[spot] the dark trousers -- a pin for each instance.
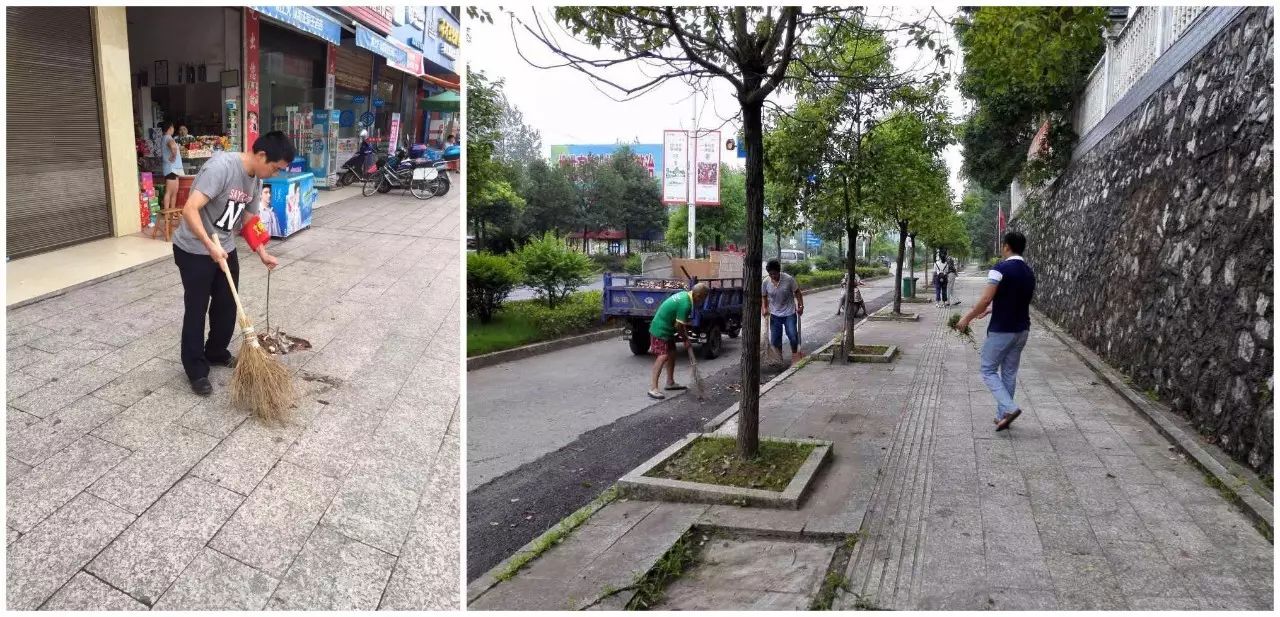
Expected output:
(205, 290)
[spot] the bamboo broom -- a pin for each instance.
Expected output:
(260, 382)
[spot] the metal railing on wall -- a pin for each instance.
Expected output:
(1129, 55)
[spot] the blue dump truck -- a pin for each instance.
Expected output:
(635, 300)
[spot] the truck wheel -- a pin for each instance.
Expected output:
(639, 340)
(711, 348)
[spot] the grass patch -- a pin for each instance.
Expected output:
(673, 563)
(835, 581)
(714, 460)
(524, 322)
(556, 534)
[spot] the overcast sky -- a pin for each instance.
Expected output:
(568, 107)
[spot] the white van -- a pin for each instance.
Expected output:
(790, 256)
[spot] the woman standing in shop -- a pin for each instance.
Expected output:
(171, 163)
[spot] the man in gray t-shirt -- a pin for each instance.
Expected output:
(783, 304)
(227, 187)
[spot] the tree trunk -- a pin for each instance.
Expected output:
(627, 232)
(846, 342)
(902, 250)
(749, 404)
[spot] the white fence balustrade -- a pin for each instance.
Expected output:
(1149, 32)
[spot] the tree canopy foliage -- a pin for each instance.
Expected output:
(1022, 65)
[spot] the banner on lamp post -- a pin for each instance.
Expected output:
(330, 75)
(706, 186)
(675, 167)
(394, 134)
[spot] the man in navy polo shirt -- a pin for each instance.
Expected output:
(1010, 287)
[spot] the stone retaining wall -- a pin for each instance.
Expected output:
(1155, 249)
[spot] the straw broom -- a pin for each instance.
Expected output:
(260, 382)
(700, 389)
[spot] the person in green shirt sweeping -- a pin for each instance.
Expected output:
(672, 317)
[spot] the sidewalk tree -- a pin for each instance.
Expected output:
(908, 180)
(751, 48)
(781, 214)
(844, 85)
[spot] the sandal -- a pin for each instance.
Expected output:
(676, 386)
(654, 394)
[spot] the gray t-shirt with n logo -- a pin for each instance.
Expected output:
(231, 193)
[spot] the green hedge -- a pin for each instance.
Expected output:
(524, 322)
(820, 278)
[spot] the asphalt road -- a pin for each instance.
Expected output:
(546, 435)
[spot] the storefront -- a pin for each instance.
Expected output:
(440, 54)
(184, 63)
(58, 189)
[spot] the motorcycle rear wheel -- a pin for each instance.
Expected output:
(441, 186)
(422, 189)
(347, 178)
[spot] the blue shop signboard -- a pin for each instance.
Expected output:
(305, 19)
(378, 44)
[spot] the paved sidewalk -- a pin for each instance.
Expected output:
(126, 491)
(1081, 505)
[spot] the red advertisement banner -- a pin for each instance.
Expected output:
(252, 54)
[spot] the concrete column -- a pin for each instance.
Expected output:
(111, 57)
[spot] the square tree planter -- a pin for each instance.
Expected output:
(887, 354)
(886, 314)
(636, 484)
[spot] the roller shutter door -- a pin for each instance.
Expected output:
(56, 178)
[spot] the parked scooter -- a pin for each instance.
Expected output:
(420, 177)
(360, 167)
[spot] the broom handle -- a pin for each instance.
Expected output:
(244, 319)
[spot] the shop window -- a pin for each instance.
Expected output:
(615, 247)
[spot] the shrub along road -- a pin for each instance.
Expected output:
(546, 435)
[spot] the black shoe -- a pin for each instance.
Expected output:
(202, 386)
(230, 362)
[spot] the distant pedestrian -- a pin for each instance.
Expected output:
(1008, 294)
(939, 281)
(846, 292)
(952, 272)
(171, 162)
(783, 303)
(672, 318)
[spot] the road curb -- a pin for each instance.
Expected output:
(537, 349)
(1168, 424)
(489, 580)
